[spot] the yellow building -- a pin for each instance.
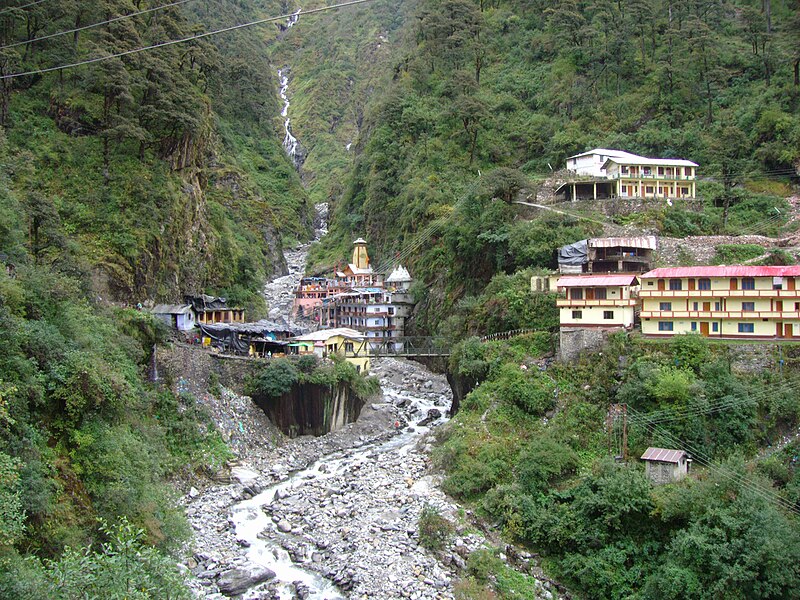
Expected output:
(642, 177)
(344, 342)
(359, 272)
(605, 301)
(726, 302)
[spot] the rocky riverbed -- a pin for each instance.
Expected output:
(279, 293)
(343, 506)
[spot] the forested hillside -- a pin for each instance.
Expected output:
(483, 98)
(162, 171)
(137, 178)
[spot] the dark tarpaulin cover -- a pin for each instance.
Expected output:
(203, 303)
(227, 336)
(574, 254)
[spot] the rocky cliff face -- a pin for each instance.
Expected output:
(312, 409)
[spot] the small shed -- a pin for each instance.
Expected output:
(666, 466)
(179, 316)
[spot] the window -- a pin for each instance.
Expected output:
(684, 191)
(777, 283)
(647, 170)
(715, 327)
(665, 306)
(665, 325)
(391, 310)
(748, 283)
(703, 284)
(648, 189)
(675, 284)
(747, 306)
(348, 346)
(687, 171)
(576, 293)
(660, 170)
(660, 190)
(600, 294)
(608, 314)
(624, 170)
(694, 325)
(577, 314)
(695, 306)
(717, 306)
(747, 327)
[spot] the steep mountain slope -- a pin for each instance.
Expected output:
(163, 168)
(484, 97)
(334, 62)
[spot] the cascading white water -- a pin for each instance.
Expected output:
(249, 519)
(290, 143)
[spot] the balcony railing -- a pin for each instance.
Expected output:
(650, 176)
(643, 293)
(720, 314)
(607, 302)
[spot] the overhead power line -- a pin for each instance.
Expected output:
(10, 8)
(758, 489)
(93, 25)
(180, 41)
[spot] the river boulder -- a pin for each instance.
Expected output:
(239, 580)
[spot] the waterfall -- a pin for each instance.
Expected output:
(290, 143)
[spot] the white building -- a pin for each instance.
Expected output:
(178, 316)
(604, 173)
(592, 163)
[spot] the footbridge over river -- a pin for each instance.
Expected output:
(422, 347)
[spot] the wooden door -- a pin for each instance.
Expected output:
(787, 330)
(790, 283)
(691, 283)
(704, 329)
(778, 330)
(706, 307)
(779, 305)
(590, 293)
(661, 285)
(734, 283)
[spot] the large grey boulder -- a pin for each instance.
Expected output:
(239, 580)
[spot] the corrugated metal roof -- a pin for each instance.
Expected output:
(595, 280)
(729, 271)
(647, 241)
(171, 309)
(659, 162)
(663, 455)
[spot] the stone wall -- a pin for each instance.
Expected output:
(575, 340)
(189, 368)
(628, 206)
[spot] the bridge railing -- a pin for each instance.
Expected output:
(405, 346)
(505, 335)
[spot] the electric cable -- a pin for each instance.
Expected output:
(190, 38)
(93, 25)
(10, 8)
(704, 460)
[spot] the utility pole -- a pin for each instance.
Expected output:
(617, 427)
